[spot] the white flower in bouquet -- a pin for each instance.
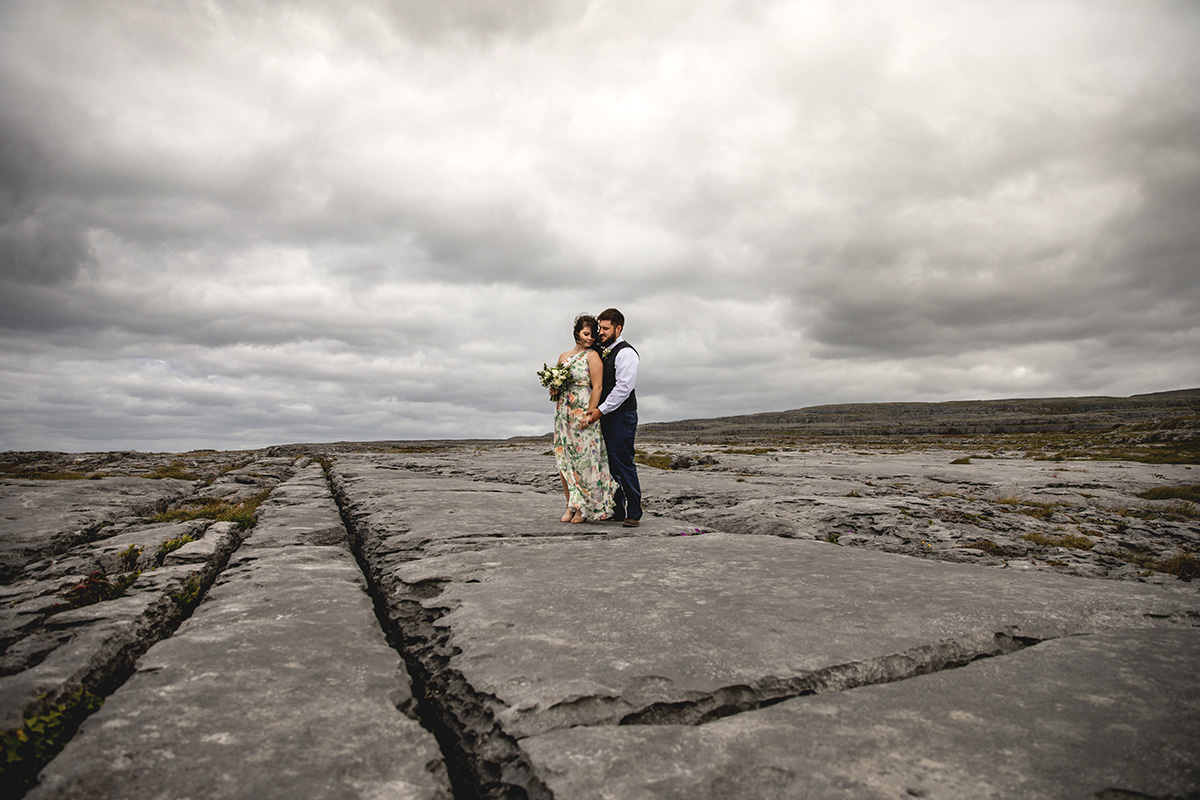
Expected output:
(554, 378)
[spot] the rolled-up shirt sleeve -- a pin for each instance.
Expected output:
(626, 368)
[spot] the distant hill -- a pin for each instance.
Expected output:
(1180, 408)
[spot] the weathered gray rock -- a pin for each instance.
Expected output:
(535, 639)
(281, 685)
(687, 628)
(1116, 712)
(915, 503)
(742, 651)
(39, 518)
(74, 623)
(93, 647)
(261, 475)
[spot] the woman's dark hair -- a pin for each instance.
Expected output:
(589, 320)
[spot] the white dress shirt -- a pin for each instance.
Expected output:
(626, 367)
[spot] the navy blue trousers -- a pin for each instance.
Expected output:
(619, 429)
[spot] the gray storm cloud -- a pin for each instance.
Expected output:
(230, 225)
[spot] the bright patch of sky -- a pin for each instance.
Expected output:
(239, 224)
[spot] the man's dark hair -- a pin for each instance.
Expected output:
(613, 316)
(586, 319)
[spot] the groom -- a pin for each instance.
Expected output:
(618, 414)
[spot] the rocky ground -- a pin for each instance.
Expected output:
(1120, 520)
(793, 619)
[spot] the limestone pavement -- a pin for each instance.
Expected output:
(421, 625)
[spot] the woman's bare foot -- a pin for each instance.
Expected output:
(570, 513)
(578, 516)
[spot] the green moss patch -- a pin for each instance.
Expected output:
(658, 459)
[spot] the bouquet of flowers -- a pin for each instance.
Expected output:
(554, 378)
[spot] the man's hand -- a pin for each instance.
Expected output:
(591, 417)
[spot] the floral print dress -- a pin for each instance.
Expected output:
(579, 451)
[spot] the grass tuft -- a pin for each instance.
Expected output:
(175, 470)
(658, 460)
(1071, 540)
(170, 546)
(1189, 493)
(989, 547)
(1184, 564)
(244, 513)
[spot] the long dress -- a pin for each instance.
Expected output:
(579, 451)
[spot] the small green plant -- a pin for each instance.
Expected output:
(129, 557)
(833, 537)
(42, 733)
(190, 594)
(170, 546)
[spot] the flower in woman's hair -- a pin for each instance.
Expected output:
(554, 378)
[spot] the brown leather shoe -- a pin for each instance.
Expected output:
(631, 523)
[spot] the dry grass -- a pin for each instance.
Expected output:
(1071, 540)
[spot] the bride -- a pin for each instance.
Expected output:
(578, 448)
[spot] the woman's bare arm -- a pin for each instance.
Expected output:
(596, 368)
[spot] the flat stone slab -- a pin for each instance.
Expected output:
(40, 517)
(281, 685)
(586, 632)
(1113, 715)
(637, 663)
(995, 509)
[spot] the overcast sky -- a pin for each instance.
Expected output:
(236, 224)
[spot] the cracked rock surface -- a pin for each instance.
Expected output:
(594, 660)
(280, 685)
(825, 623)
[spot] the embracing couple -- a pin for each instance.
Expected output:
(595, 462)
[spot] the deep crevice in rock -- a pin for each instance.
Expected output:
(482, 760)
(113, 666)
(924, 660)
